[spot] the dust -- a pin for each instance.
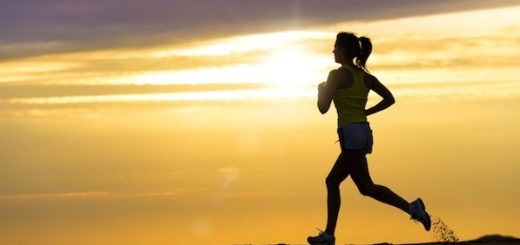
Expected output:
(442, 232)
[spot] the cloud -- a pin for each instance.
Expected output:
(49, 196)
(472, 50)
(35, 27)
(245, 194)
(222, 96)
(480, 51)
(92, 194)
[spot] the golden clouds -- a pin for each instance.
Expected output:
(415, 50)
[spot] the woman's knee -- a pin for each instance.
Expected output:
(332, 183)
(366, 190)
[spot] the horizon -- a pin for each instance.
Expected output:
(130, 128)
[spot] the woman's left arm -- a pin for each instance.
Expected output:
(326, 92)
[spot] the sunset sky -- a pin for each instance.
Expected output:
(195, 122)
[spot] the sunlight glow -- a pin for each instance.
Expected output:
(286, 63)
(284, 67)
(246, 94)
(242, 44)
(292, 68)
(25, 70)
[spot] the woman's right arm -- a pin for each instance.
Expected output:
(381, 90)
(326, 91)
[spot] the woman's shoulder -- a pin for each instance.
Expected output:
(341, 72)
(369, 76)
(370, 79)
(340, 77)
(346, 73)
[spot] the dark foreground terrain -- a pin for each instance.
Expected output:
(485, 240)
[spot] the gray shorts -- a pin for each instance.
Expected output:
(356, 136)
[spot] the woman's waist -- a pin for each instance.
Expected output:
(345, 121)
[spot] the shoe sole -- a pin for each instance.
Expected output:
(320, 243)
(328, 243)
(427, 215)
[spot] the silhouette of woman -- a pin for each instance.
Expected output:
(348, 87)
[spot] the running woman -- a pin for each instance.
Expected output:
(348, 87)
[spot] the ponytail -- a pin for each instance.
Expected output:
(366, 49)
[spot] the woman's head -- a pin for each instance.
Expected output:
(348, 46)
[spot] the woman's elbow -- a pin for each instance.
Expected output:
(322, 108)
(391, 101)
(323, 111)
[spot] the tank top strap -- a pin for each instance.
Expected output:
(357, 77)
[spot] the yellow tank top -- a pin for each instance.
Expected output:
(350, 102)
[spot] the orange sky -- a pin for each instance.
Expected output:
(219, 141)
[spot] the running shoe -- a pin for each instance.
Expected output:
(420, 214)
(323, 238)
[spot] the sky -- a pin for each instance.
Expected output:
(52, 26)
(194, 122)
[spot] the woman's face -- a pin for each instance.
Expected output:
(339, 54)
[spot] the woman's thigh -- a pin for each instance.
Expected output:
(358, 167)
(339, 171)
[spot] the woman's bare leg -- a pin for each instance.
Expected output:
(338, 174)
(361, 177)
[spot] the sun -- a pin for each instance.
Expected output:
(291, 67)
(282, 60)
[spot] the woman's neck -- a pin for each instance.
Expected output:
(348, 63)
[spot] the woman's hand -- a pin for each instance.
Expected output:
(325, 96)
(381, 90)
(322, 86)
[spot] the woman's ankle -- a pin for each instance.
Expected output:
(329, 233)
